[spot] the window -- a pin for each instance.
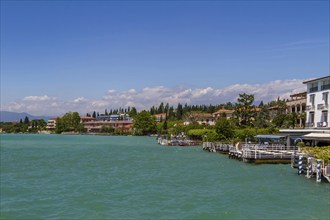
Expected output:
(325, 84)
(325, 116)
(311, 120)
(325, 97)
(312, 99)
(311, 117)
(314, 87)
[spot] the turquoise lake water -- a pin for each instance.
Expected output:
(104, 177)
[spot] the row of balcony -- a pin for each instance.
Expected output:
(323, 87)
(319, 107)
(321, 124)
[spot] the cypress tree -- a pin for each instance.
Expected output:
(26, 120)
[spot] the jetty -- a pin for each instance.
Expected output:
(269, 149)
(311, 166)
(177, 142)
(217, 147)
(261, 153)
(253, 153)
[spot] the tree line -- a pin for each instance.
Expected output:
(247, 118)
(24, 125)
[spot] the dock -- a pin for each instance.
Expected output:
(273, 154)
(177, 142)
(217, 147)
(253, 153)
(310, 166)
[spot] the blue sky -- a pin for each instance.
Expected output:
(58, 52)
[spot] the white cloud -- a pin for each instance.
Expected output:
(149, 96)
(38, 98)
(80, 100)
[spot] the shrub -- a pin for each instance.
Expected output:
(203, 134)
(322, 153)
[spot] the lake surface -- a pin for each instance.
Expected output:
(104, 177)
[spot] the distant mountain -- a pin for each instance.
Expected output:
(6, 116)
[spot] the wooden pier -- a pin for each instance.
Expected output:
(253, 153)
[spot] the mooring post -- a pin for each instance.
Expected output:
(318, 170)
(309, 167)
(300, 165)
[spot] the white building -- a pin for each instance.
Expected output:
(51, 124)
(317, 106)
(200, 118)
(297, 104)
(317, 129)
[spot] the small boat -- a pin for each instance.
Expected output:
(176, 142)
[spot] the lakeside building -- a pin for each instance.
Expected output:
(317, 129)
(51, 124)
(318, 102)
(297, 104)
(160, 117)
(113, 117)
(118, 122)
(98, 126)
(87, 119)
(200, 118)
(274, 111)
(223, 112)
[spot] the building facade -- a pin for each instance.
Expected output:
(200, 118)
(317, 106)
(120, 122)
(297, 104)
(223, 112)
(160, 117)
(51, 124)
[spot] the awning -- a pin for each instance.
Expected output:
(269, 136)
(317, 136)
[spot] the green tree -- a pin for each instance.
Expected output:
(26, 120)
(203, 134)
(161, 108)
(244, 110)
(302, 116)
(107, 129)
(144, 123)
(132, 112)
(291, 119)
(262, 118)
(37, 125)
(224, 129)
(69, 122)
(279, 120)
(179, 112)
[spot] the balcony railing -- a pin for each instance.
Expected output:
(322, 124)
(310, 107)
(313, 89)
(322, 106)
(324, 87)
(309, 124)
